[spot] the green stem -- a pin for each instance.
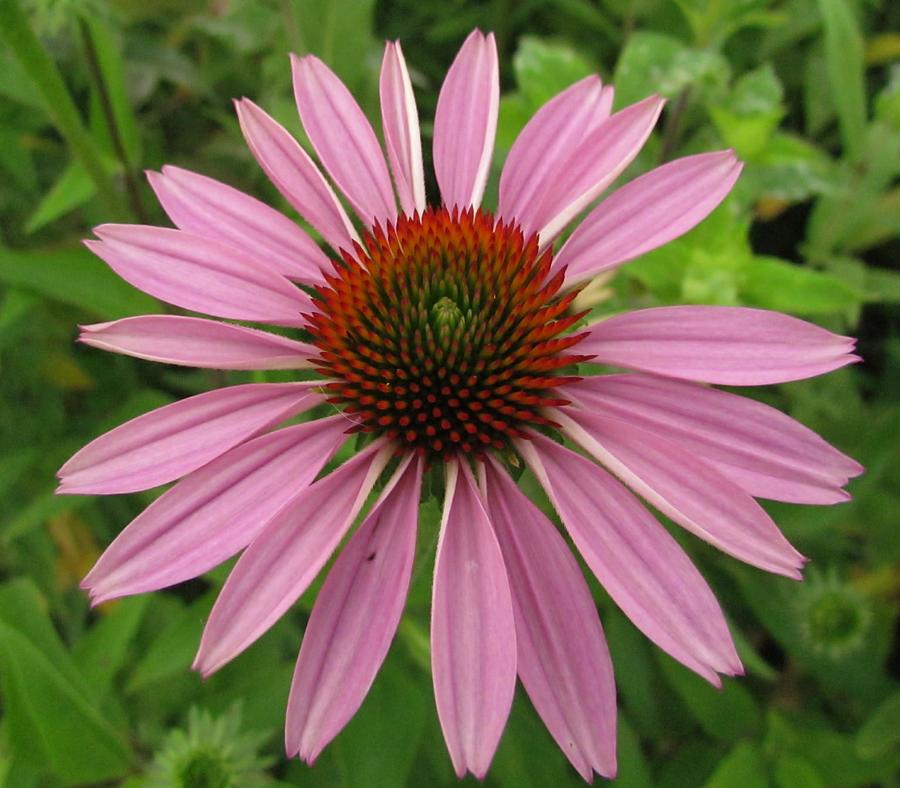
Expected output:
(19, 37)
(131, 183)
(672, 131)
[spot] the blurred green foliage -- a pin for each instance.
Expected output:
(91, 93)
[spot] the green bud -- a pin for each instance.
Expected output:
(833, 616)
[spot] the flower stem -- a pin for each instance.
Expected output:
(672, 132)
(24, 44)
(131, 183)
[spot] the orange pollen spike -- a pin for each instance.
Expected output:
(457, 309)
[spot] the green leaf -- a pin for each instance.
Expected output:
(725, 714)
(881, 732)
(339, 32)
(657, 63)
(72, 188)
(747, 134)
(112, 68)
(792, 771)
(515, 111)
(543, 69)
(102, 651)
(742, 766)
(17, 159)
(76, 277)
(882, 285)
(638, 686)
(634, 771)
(750, 113)
(771, 283)
(36, 512)
(789, 168)
(172, 651)
(379, 744)
(844, 56)
(53, 719)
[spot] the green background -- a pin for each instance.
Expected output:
(94, 92)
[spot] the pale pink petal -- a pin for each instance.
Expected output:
(284, 558)
(765, 452)
(465, 122)
(292, 171)
(590, 168)
(554, 131)
(473, 634)
(176, 439)
(195, 342)
(734, 346)
(638, 563)
(199, 274)
(355, 617)
(647, 212)
(216, 511)
(343, 140)
(563, 659)
(400, 120)
(686, 489)
(207, 207)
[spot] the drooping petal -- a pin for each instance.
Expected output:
(216, 511)
(195, 342)
(400, 121)
(284, 558)
(465, 122)
(563, 659)
(473, 635)
(176, 439)
(590, 168)
(343, 140)
(207, 207)
(647, 212)
(199, 274)
(686, 489)
(734, 346)
(639, 564)
(295, 176)
(547, 140)
(765, 452)
(355, 617)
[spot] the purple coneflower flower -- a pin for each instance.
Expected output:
(446, 333)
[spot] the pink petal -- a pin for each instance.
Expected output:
(195, 342)
(734, 346)
(590, 168)
(343, 140)
(209, 208)
(400, 121)
(686, 489)
(546, 142)
(355, 618)
(216, 511)
(639, 564)
(284, 558)
(563, 660)
(176, 439)
(199, 274)
(648, 212)
(473, 634)
(295, 176)
(762, 450)
(465, 122)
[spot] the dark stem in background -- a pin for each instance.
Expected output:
(672, 131)
(131, 183)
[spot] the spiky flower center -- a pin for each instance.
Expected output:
(443, 332)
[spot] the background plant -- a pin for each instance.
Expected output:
(94, 91)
